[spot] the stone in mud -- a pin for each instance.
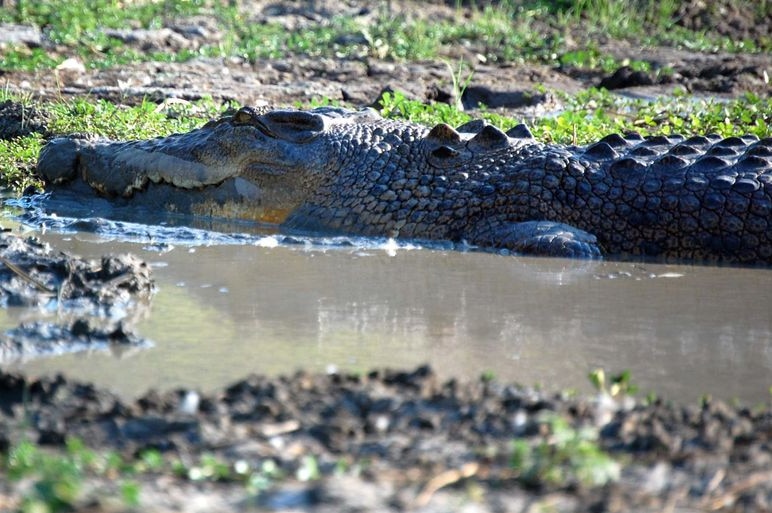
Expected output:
(17, 34)
(626, 77)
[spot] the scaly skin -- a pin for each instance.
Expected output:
(333, 171)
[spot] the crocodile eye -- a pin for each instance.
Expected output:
(245, 116)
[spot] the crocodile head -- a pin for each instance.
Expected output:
(252, 164)
(266, 165)
(280, 156)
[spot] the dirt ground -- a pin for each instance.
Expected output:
(402, 441)
(395, 441)
(513, 89)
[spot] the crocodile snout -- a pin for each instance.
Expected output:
(58, 160)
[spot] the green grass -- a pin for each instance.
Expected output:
(143, 121)
(58, 477)
(592, 114)
(565, 456)
(99, 117)
(507, 32)
(17, 161)
(77, 22)
(591, 58)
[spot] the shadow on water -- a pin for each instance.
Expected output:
(231, 305)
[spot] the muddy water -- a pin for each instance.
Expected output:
(225, 310)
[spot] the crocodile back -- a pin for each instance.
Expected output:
(700, 198)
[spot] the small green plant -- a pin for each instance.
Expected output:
(256, 478)
(210, 468)
(459, 81)
(565, 456)
(487, 376)
(58, 478)
(130, 491)
(591, 58)
(650, 399)
(260, 479)
(396, 105)
(619, 385)
(308, 469)
(150, 460)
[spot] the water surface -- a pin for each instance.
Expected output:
(229, 307)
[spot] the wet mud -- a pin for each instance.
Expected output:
(82, 304)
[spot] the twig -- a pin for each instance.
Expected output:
(444, 479)
(22, 274)
(731, 495)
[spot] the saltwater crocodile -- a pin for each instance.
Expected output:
(336, 171)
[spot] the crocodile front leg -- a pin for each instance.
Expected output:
(541, 238)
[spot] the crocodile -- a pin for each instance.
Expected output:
(330, 170)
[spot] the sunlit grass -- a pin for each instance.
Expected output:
(592, 114)
(533, 30)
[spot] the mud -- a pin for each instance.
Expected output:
(403, 441)
(17, 120)
(83, 304)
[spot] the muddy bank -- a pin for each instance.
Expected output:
(73, 304)
(404, 441)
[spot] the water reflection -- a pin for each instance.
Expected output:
(223, 311)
